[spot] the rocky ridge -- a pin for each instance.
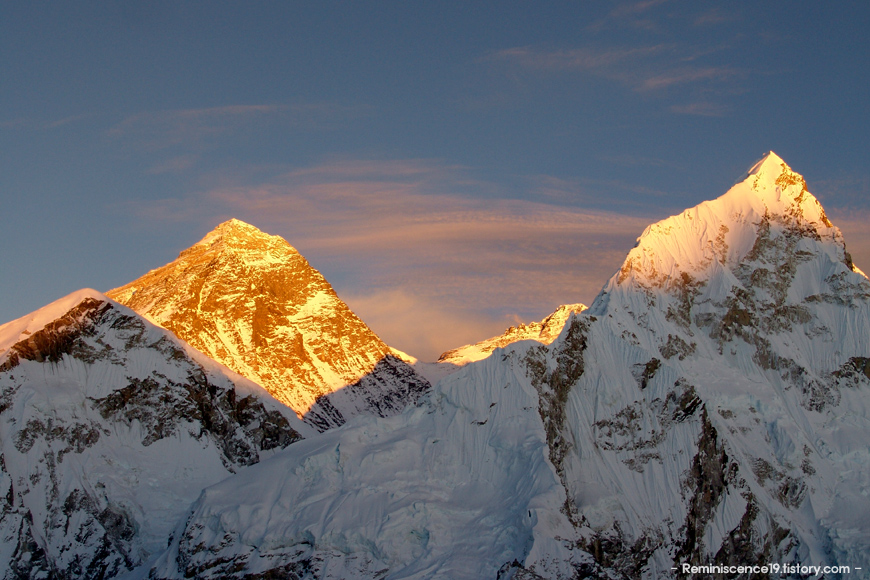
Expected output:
(252, 302)
(109, 428)
(545, 332)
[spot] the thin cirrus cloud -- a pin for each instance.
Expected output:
(845, 199)
(630, 15)
(662, 64)
(41, 125)
(687, 76)
(702, 109)
(155, 130)
(641, 15)
(416, 250)
(607, 62)
(650, 69)
(173, 165)
(853, 225)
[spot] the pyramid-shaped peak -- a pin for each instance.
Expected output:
(238, 235)
(771, 162)
(237, 225)
(234, 228)
(721, 233)
(780, 190)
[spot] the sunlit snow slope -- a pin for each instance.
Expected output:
(109, 428)
(252, 302)
(710, 407)
(544, 332)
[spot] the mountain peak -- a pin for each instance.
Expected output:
(781, 190)
(252, 302)
(722, 232)
(768, 161)
(236, 227)
(237, 235)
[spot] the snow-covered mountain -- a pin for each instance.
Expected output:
(545, 331)
(252, 302)
(710, 408)
(109, 428)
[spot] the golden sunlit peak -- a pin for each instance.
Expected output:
(237, 225)
(236, 231)
(770, 160)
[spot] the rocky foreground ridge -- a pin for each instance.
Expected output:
(109, 428)
(253, 303)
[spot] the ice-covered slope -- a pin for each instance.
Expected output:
(544, 332)
(252, 302)
(456, 488)
(728, 360)
(711, 407)
(109, 428)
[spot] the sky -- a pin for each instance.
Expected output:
(452, 168)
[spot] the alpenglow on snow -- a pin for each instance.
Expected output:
(252, 302)
(711, 407)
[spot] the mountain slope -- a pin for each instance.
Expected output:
(743, 326)
(544, 332)
(252, 302)
(711, 407)
(109, 428)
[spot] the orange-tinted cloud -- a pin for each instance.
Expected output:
(394, 234)
(156, 130)
(853, 225)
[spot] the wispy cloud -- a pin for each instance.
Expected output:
(687, 75)
(663, 64)
(626, 160)
(703, 109)
(645, 69)
(846, 198)
(41, 125)
(412, 232)
(630, 15)
(173, 165)
(583, 59)
(713, 17)
(13, 123)
(853, 224)
(421, 326)
(156, 130)
(163, 129)
(588, 191)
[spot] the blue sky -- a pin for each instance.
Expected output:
(451, 167)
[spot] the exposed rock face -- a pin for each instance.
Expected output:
(252, 302)
(109, 428)
(544, 332)
(726, 361)
(710, 408)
